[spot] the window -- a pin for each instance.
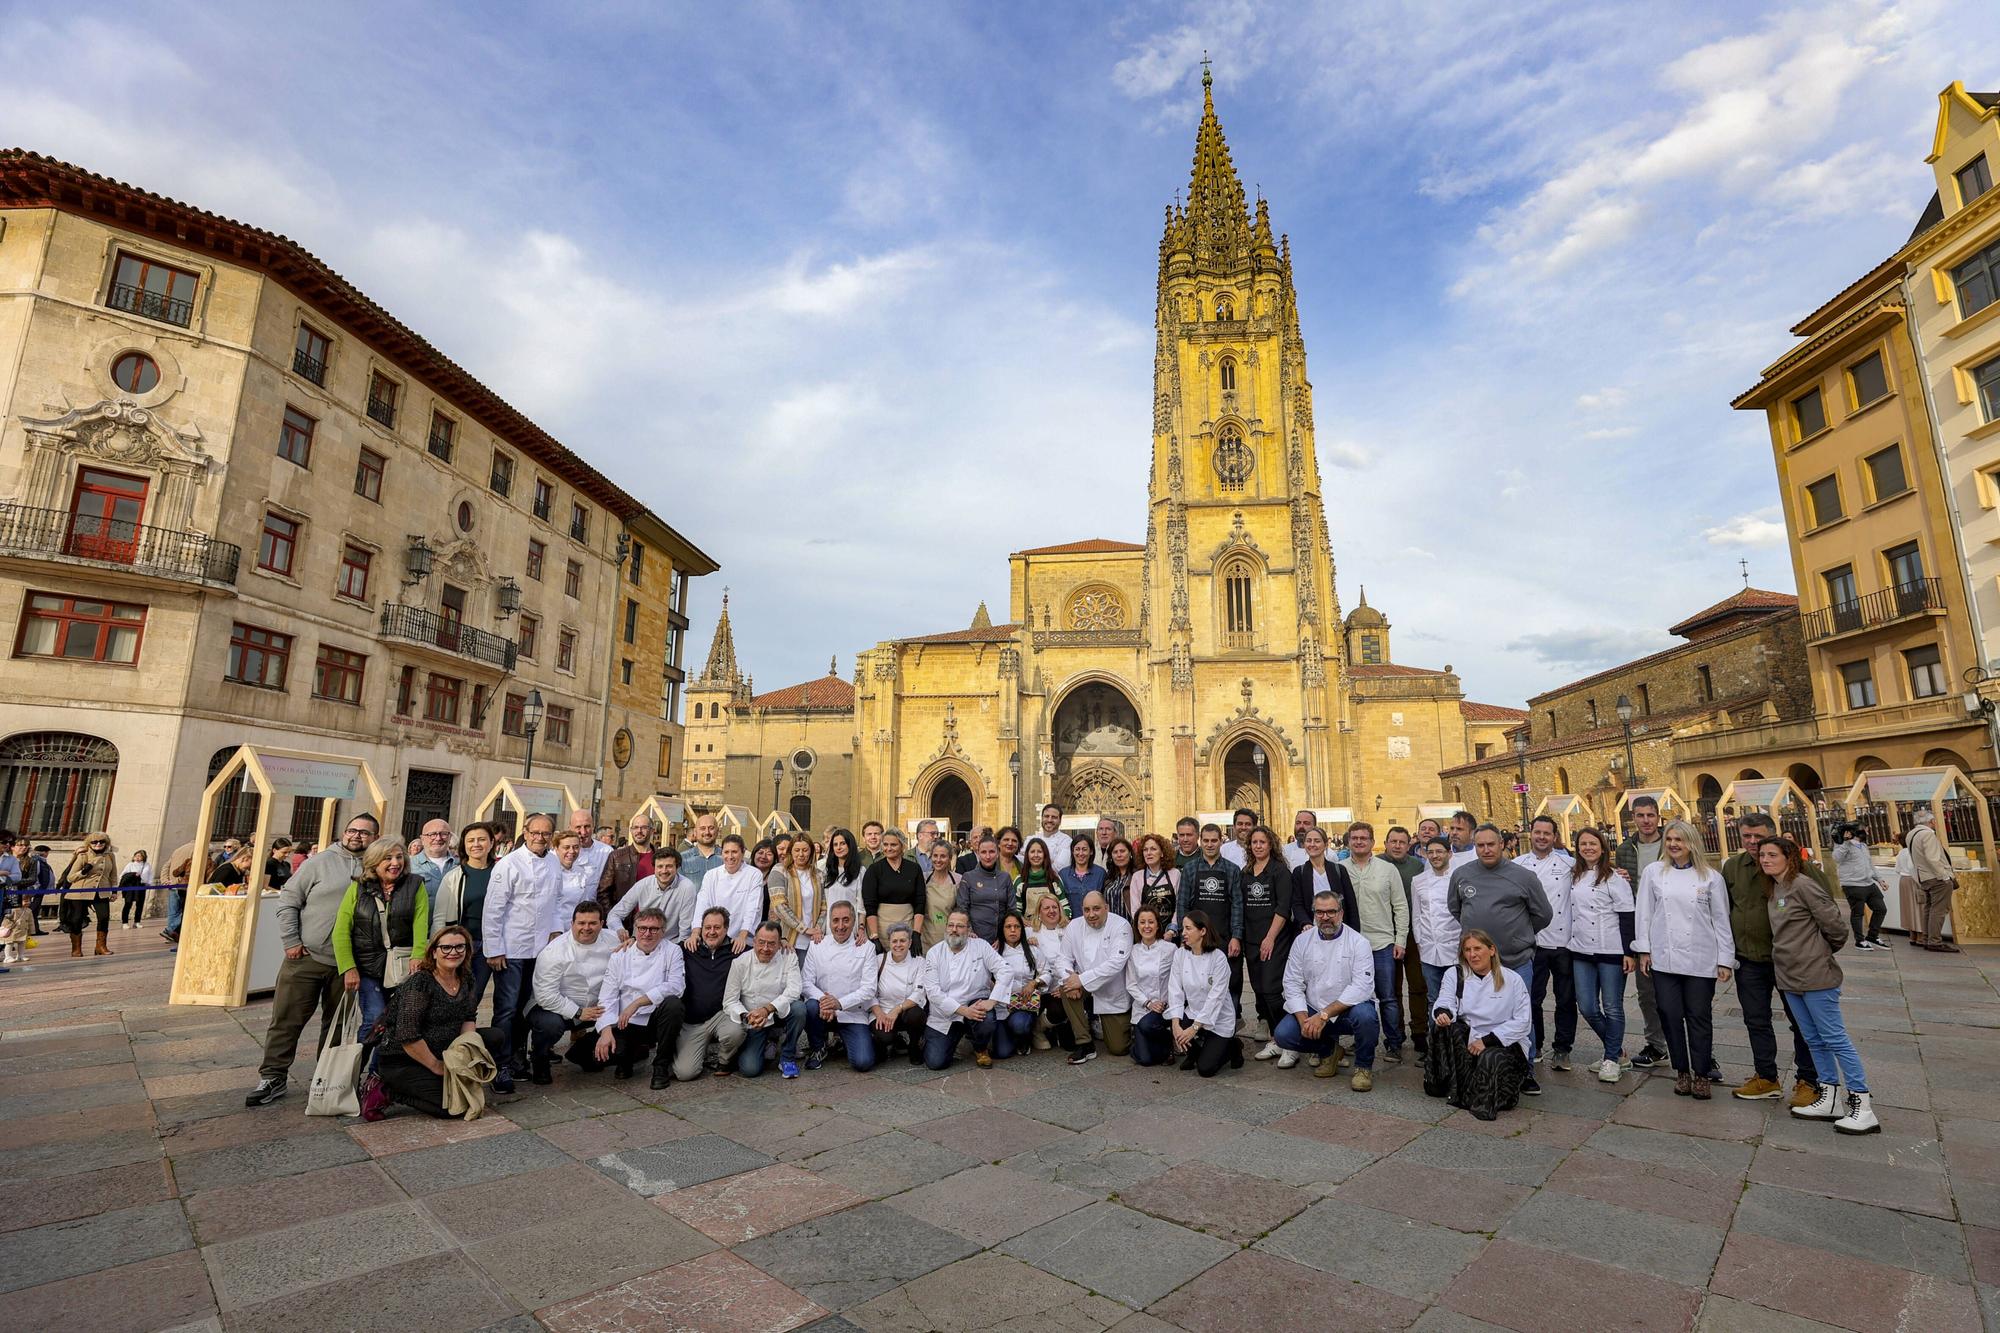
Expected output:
(56, 784)
(1590, 705)
(1860, 683)
(1225, 306)
(545, 499)
(382, 398)
(631, 621)
(1868, 379)
(579, 522)
(1926, 672)
(309, 354)
(1978, 281)
(80, 630)
(444, 432)
(1823, 497)
(1371, 649)
(1228, 373)
(501, 480)
(258, 656)
(355, 562)
(1986, 382)
(1808, 414)
(337, 675)
(1233, 460)
(135, 372)
(514, 715)
(1885, 473)
(555, 724)
(464, 516)
(295, 437)
(636, 570)
(697, 712)
(566, 650)
(406, 691)
(1841, 593)
(1645, 702)
(1974, 179)
(153, 290)
(625, 668)
(666, 755)
(573, 579)
(278, 544)
(537, 553)
(1705, 683)
(531, 632)
(1552, 723)
(1238, 621)
(481, 701)
(441, 699)
(1906, 565)
(1480, 748)
(368, 471)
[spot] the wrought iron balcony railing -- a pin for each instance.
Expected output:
(1885, 607)
(311, 367)
(150, 305)
(383, 410)
(54, 534)
(413, 624)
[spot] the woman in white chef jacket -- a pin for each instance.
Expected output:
(1051, 915)
(1201, 1012)
(1024, 978)
(1146, 973)
(901, 1004)
(1683, 940)
(1483, 1020)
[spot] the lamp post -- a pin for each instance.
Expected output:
(777, 778)
(1521, 783)
(1263, 793)
(1014, 772)
(1624, 710)
(531, 722)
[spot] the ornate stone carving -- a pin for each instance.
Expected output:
(1239, 539)
(1087, 638)
(126, 435)
(885, 667)
(1315, 661)
(1247, 713)
(1095, 606)
(1010, 661)
(1183, 665)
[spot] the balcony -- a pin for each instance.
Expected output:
(1877, 609)
(382, 410)
(161, 553)
(310, 367)
(413, 624)
(150, 305)
(1702, 747)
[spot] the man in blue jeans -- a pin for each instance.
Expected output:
(838, 984)
(1330, 993)
(763, 998)
(1383, 918)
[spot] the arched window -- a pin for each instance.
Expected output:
(1233, 460)
(697, 712)
(1228, 373)
(56, 784)
(1225, 306)
(1238, 603)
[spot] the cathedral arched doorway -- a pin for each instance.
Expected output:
(1096, 742)
(802, 810)
(1246, 782)
(951, 804)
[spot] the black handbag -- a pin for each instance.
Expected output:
(1445, 1044)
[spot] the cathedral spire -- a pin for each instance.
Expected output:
(981, 619)
(1217, 216)
(721, 668)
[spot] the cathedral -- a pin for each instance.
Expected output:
(1207, 669)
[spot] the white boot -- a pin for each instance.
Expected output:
(1826, 1106)
(1270, 1052)
(1860, 1117)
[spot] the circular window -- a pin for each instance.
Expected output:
(802, 761)
(465, 516)
(135, 372)
(1232, 460)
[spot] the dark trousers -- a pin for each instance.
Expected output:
(1418, 1005)
(910, 1024)
(1057, 1017)
(75, 914)
(513, 996)
(1687, 1013)
(1267, 982)
(939, 1047)
(546, 1027)
(1152, 1039)
(133, 908)
(1211, 1052)
(1013, 1034)
(1554, 965)
(659, 1034)
(303, 984)
(1236, 985)
(1870, 897)
(1756, 984)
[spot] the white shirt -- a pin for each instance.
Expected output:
(741, 895)
(1295, 855)
(844, 891)
(1015, 973)
(1553, 871)
(896, 982)
(1058, 845)
(143, 869)
(753, 984)
(569, 976)
(520, 904)
(1146, 972)
(592, 855)
(844, 971)
(677, 902)
(573, 886)
(1051, 952)
(1683, 921)
(1437, 929)
(1198, 991)
(1460, 858)
(1098, 958)
(1593, 914)
(634, 974)
(1232, 852)
(954, 978)
(1505, 1013)
(1320, 972)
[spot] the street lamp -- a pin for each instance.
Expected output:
(1624, 710)
(1263, 795)
(531, 722)
(777, 777)
(1014, 772)
(1521, 784)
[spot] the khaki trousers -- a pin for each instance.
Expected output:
(692, 1048)
(1934, 898)
(1117, 1027)
(303, 985)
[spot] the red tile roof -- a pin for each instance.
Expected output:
(1750, 600)
(1491, 712)
(830, 693)
(1366, 670)
(1092, 546)
(977, 634)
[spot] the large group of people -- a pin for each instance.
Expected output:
(722, 957)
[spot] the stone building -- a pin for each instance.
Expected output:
(245, 503)
(1205, 668)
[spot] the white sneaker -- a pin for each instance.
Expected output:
(1860, 1117)
(1286, 1059)
(1608, 1072)
(1312, 1061)
(1270, 1052)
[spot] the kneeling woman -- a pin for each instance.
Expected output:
(1806, 928)
(1200, 1011)
(1018, 992)
(1147, 973)
(899, 996)
(432, 1009)
(1484, 1012)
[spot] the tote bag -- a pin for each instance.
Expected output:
(338, 1071)
(396, 966)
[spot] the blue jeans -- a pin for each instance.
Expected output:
(750, 1055)
(1014, 1034)
(1359, 1022)
(1386, 1003)
(1152, 1039)
(1554, 965)
(1433, 979)
(1600, 998)
(176, 908)
(1817, 1013)
(513, 996)
(939, 1046)
(855, 1037)
(373, 1000)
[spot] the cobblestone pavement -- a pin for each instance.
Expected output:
(140, 1194)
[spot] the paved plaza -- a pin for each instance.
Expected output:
(140, 1194)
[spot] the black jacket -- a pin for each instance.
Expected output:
(1302, 894)
(707, 978)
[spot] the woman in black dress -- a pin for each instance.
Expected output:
(429, 1011)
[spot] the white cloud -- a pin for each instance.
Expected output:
(1349, 455)
(1589, 648)
(1761, 527)
(1608, 399)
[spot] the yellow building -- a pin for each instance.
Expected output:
(1207, 668)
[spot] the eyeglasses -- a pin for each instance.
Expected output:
(1334, 912)
(652, 930)
(451, 948)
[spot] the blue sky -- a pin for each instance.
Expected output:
(860, 296)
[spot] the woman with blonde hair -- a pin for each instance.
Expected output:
(940, 897)
(87, 885)
(1682, 939)
(798, 897)
(1479, 1051)
(383, 919)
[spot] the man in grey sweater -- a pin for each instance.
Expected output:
(308, 979)
(1505, 900)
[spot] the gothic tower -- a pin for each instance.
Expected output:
(1245, 636)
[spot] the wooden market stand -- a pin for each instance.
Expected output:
(670, 817)
(517, 798)
(1770, 796)
(1671, 805)
(1570, 811)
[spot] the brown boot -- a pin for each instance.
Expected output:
(76, 944)
(102, 947)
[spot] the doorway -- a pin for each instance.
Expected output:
(1245, 782)
(951, 804)
(426, 796)
(104, 516)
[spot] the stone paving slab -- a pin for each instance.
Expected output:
(1668, 1247)
(717, 1293)
(1411, 1258)
(850, 1257)
(678, 1163)
(1227, 1204)
(959, 1298)
(742, 1207)
(1119, 1253)
(38, 1255)
(988, 1204)
(252, 1207)
(1251, 1289)
(273, 1264)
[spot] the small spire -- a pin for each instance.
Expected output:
(980, 619)
(833, 665)
(721, 668)
(1207, 76)
(1745, 565)
(1364, 596)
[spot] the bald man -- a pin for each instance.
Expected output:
(434, 858)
